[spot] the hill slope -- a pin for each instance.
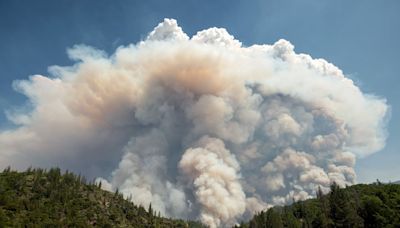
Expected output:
(373, 205)
(39, 198)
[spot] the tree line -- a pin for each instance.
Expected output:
(50, 198)
(362, 205)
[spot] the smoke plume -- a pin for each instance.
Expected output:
(202, 127)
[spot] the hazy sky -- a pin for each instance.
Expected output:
(360, 37)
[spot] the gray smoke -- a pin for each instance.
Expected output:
(199, 127)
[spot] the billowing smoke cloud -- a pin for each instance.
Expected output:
(213, 172)
(200, 127)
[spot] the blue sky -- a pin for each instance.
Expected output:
(360, 37)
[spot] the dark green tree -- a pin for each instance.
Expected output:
(273, 219)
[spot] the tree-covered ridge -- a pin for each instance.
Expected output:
(40, 198)
(362, 205)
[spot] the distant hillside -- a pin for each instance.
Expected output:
(39, 198)
(374, 205)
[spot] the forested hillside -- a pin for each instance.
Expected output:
(40, 198)
(374, 205)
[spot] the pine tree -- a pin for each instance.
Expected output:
(343, 212)
(322, 219)
(274, 219)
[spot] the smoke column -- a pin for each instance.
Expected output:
(202, 127)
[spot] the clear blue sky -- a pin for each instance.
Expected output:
(360, 37)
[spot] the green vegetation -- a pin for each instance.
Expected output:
(40, 198)
(374, 205)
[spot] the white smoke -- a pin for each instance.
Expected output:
(212, 170)
(199, 127)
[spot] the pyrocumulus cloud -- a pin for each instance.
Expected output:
(202, 127)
